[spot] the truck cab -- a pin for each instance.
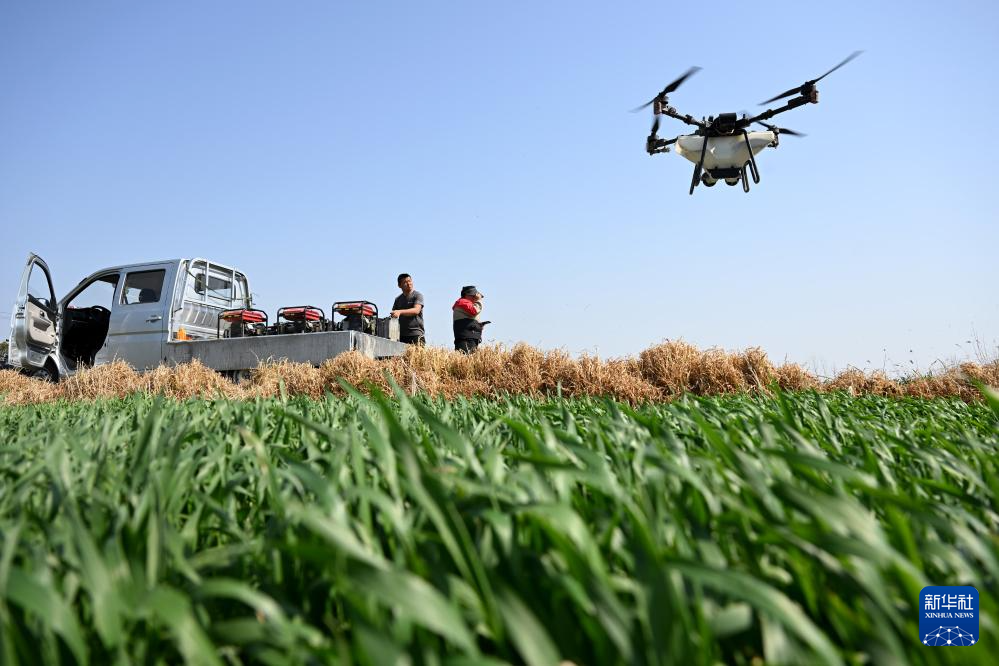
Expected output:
(124, 312)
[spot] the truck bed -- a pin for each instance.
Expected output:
(230, 354)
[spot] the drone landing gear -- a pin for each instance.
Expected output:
(751, 163)
(700, 165)
(731, 175)
(753, 171)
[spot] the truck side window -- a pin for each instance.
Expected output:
(39, 288)
(209, 284)
(239, 295)
(100, 292)
(195, 287)
(219, 287)
(142, 287)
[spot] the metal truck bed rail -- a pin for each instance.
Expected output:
(231, 354)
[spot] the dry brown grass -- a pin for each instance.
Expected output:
(956, 381)
(662, 372)
(114, 380)
(792, 377)
(856, 382)
(987, 374)
(716, 373)
(18, 389)
(296, 379)
(757, 370)
(191, 380)
(670, 366)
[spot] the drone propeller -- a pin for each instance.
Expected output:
(808, 84)
(780, 130)
(670, 88)
(655, 126)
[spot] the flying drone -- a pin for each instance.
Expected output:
(722, 147)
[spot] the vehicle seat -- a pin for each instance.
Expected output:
(147, 296)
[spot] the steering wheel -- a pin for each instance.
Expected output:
(100, 309)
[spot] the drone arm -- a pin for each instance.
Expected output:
(668, 110)
(770, 113)
(655, 145)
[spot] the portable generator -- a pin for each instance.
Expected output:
(298, 319)
(357, 316)
(242, 323)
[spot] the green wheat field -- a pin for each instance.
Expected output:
(792, 529)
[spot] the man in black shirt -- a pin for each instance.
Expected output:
(408, 307)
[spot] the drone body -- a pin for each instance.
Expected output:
(726, 156)
(722, 148)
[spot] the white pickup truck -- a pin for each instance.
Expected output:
(160, 312)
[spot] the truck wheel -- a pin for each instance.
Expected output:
(240, 376)
(46, 373)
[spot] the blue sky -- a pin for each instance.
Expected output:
(325, 147)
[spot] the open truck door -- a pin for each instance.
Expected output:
(34, 334)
